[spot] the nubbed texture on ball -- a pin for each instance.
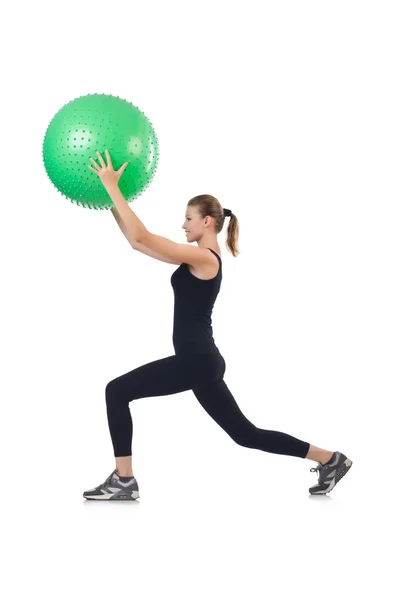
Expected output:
(92, 123)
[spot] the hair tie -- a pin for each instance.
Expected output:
(227, 212)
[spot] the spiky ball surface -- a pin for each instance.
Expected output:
(92, 123)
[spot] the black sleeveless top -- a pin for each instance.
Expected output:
(194, 301)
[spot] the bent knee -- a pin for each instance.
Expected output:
(245, 437)
(110, 387)
(113, 391)
(117, 392)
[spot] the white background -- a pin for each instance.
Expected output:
(286, 112)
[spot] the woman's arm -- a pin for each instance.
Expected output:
(136, 246)
(164, 249)
(136, 229)
(121, 225)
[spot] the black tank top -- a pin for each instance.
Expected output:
(194, 301)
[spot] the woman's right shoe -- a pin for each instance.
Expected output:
(330, 473)
(114, 489)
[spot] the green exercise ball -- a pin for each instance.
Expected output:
(99, 122)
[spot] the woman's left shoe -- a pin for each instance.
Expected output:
(114, 489)
(330, 473)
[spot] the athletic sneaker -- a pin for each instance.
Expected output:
(114, 489)
(330, 473)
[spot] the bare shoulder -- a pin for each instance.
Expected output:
(208, 270)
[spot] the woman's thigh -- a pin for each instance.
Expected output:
(218, 401)
(170, 375)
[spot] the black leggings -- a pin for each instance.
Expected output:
(203, 374)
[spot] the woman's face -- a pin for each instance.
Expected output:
(193, 225)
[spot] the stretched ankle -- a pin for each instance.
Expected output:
(124, 474)
(327, 458)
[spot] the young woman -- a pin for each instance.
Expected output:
(197, 364)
